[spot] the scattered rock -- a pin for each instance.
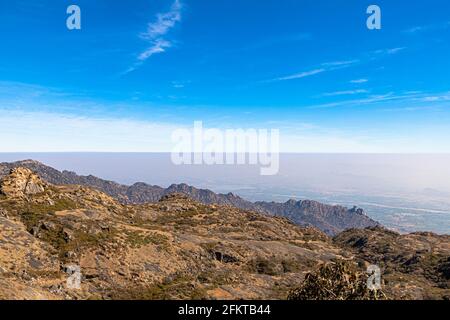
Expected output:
(3, 213)
(224, 257)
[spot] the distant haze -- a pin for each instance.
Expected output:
(362, 172)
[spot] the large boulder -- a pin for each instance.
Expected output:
(21, 182)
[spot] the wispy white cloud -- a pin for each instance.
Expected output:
(158, 46)
(156, 32)
(180, 84)
(363, 101)
(412, 109)
(164, 22)
(395, 50)
(437, 98)
(359, 81)
(343, 93)
(415, 29)
(390, 50)
(300, 75)
(340, 63)
(430, 27)
(413, 99)
(324, 67)
(413, 92)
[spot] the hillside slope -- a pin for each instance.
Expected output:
(178, 248)
(414, 266)
(175, 249)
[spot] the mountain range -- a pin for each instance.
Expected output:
(330, 219)
(75, 242)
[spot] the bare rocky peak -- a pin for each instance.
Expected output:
(328, 218)
(21, 182)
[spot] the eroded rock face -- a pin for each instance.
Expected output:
(21, 182)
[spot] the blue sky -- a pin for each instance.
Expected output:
(137, 70)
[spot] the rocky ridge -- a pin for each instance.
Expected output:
(330, 219)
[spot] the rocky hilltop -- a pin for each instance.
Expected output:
(420, 258)
(179, 248)
(330, 219)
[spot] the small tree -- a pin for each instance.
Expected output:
(339, 280)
